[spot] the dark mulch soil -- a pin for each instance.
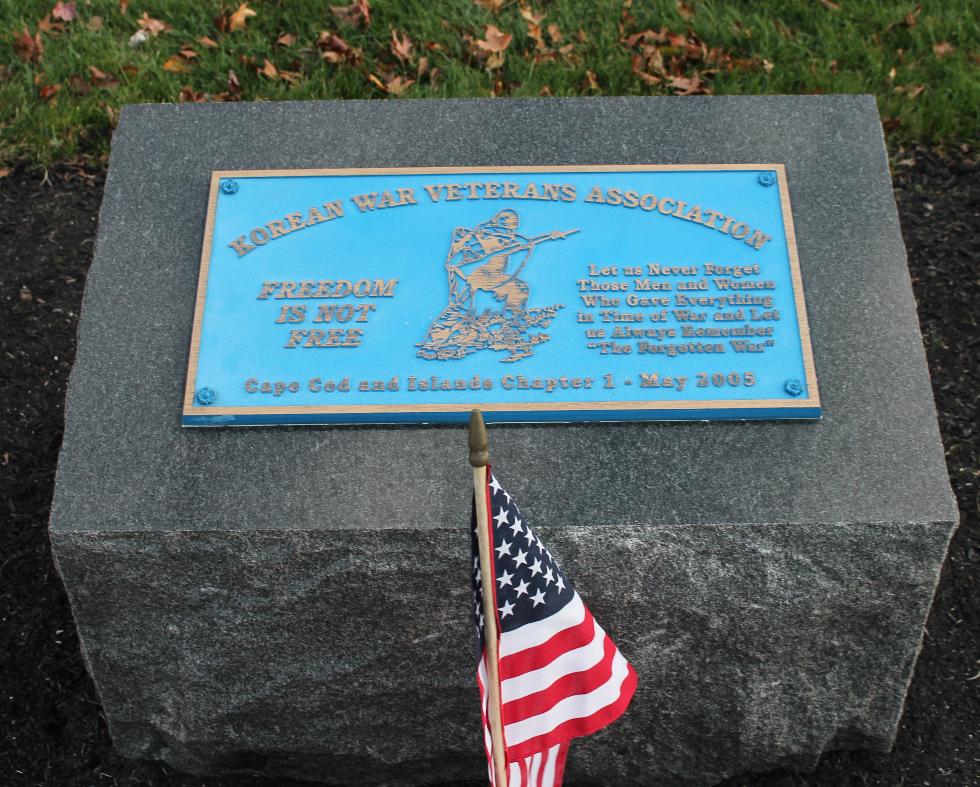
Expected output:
(51, 727)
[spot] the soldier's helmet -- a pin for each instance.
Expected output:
(507, 219)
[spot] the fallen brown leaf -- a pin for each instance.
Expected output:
(377, 82)
(591, 83)
(268, 69)
(398, 84)
(4, 171)
(188, 54)
(335, 50)
(152, 26)
(493, 6)
(830, 6)
(79, 85)
(495, 40)
(290, 76)
(401, 47)
(528, 14)
(123, 6)
(942, 49)
(499, 88)
(637, 68)
(207, 41)
(49, 91)
(66, 12)
(29, 48)
(646, 38)
(286, 39)
(233, 87)
(555, 34)
(175, 65)
(238, 19)
(102, 79)
(688, 86)
(423, 66)
(188, 96)
(915, 91)
(94, 23)
(494, 60)
(685, 10)
(356, 14)
(533, 22)
(46, 25)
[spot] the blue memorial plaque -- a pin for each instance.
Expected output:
(597, 293)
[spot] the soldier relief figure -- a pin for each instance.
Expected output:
(483, 266)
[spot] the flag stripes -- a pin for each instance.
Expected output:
(543, 769)
(560, 675)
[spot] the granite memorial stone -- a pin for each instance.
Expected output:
(295, 601)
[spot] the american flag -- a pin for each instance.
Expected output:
(561, 676)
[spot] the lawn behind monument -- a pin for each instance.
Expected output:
(67, 67)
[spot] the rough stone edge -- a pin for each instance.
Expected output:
(804, 763)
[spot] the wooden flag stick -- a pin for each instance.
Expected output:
(480, 458)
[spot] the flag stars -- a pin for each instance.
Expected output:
(521, 565)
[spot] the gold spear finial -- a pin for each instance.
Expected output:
(479, 451)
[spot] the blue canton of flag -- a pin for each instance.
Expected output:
(560, 674)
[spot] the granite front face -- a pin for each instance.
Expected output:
(295, 600)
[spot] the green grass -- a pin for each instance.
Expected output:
(51, 111)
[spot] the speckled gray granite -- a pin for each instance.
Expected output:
(294, 601)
